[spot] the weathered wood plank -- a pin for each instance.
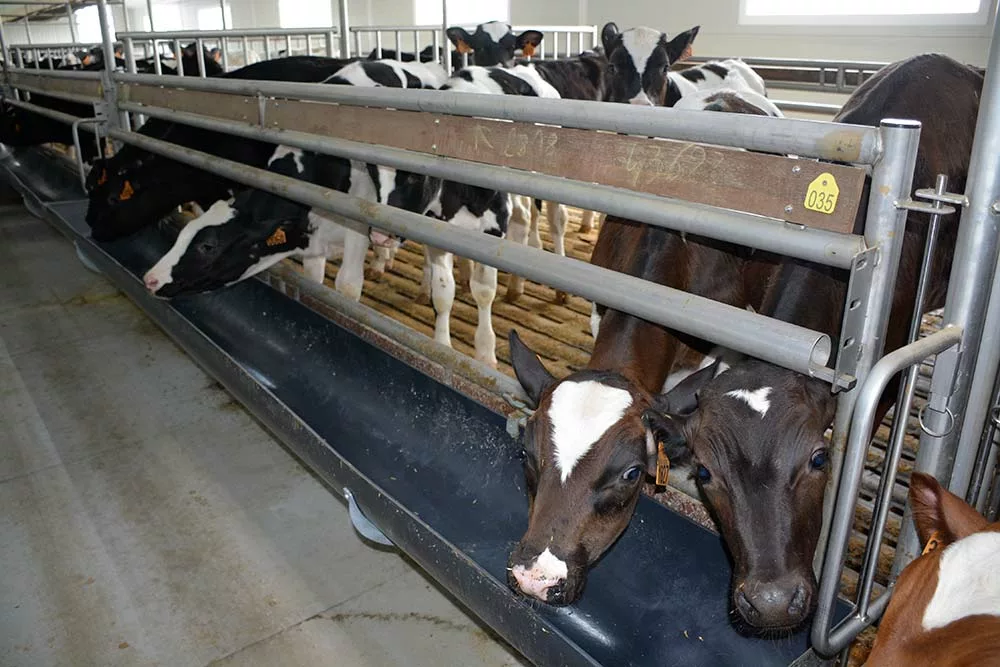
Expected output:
(767, 185)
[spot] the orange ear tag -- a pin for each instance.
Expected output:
(528, 50)
(462, 47)
(127, 191)
(932, 544)
(277, 238)
(104, 177)
(662, 466)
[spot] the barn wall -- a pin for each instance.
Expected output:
(722, 35)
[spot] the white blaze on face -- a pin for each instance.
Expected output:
(756, 399)
(545, 572)
(968, 581)
(580, 414)
(218, 214)
(282, 151)
(496, 30)
(640, 44)
(595, 320)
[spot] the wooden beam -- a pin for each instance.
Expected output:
(768, 185)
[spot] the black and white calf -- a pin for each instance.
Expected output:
(314, 235)
(639, 61)
(517, 80)
(494, 43)
(730, 74)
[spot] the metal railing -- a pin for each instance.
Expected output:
(559, 41)
(889, 150)
(237, 47)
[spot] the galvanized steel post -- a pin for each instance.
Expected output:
(72, 21)
(345, 27)
(885, 224)
(116, 118)
(955, 413)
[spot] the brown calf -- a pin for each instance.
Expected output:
(945, 607)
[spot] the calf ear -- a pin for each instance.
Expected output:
(666, 430)
(461, 39)
(530, 371)
(683, 398)
(528, 41)
(608, 34)
(680, 47)
(937, 510)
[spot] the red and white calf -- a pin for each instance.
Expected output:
(945, 607)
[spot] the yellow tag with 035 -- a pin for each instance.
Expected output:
(821, 196)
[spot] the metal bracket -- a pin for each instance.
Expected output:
(852, 328)
(362, 524)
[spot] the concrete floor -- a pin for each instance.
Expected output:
(147, 519)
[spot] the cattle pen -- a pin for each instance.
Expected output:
(419, 438)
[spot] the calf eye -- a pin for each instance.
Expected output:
(818, 460)
(704, 476)
(632, 474)
(612, 70)
(522, 455)
(206, 247)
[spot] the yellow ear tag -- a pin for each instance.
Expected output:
(932, 544)
(277, 238)
(662, 466)
(462, 47)
(528, 50)
(127, 191)
(821, 196)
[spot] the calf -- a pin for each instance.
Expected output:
(494, 43)
(127, 191)
(639, 63)
(716, 75)
(589, 445)
(945, 607)
(757, 438)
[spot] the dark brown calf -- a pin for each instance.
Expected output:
(945, 607)
(756, 438)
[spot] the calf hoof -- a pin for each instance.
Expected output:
(374, 274)
(515, 288)
(586, 228)
(422, 299)
(560, 298)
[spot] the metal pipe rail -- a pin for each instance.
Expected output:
(375, 37)
(778, 342)
(826, 640)
(796, 69)
(167, 35)
(806, 138)
(816, 245)
(69, 119)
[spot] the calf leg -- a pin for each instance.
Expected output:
(442, 292)
(314, 268)
(464, 274)
(381, 262)
(351, 277)
(557, 216)
(484, 291)
(590, 220)
(535, 234)
(424, 295)
(517, 232)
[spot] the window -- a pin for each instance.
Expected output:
(210, 18)
(864, 12)
(300, 14)
(428, 12)
(88, 24)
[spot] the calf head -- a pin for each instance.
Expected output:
(231, 242)
(587, 449)
(493, 43)
(638, 62)
(951, 589)
(760, 459)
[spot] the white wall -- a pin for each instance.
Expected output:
(721, 34)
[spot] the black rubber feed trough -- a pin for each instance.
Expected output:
(435, 471)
